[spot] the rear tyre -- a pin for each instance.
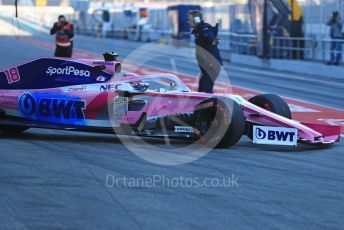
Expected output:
(220, 124)
(272, 103)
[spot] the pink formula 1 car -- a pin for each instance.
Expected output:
(93, 95)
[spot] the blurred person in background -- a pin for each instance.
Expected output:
(105, 22)
(207, 53)
(336, 25)
(106, 27)
(64, 33)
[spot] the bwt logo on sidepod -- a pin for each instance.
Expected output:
(68, 70)
(274, 135)
(57, 108)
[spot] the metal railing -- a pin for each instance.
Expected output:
(238, 43)
(309, 49)
(325, 51)
(292, 48)
(135, 34)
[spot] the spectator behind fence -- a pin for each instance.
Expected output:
(105, 22)
(64, 33)
(336, 25)
(207, 53)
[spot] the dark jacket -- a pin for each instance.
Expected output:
(63, 36)
(205, 34)
(336, 26)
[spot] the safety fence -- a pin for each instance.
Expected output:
(315, 46)
(293, 48)
(310, 48)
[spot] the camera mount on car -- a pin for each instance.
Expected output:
(110, 56)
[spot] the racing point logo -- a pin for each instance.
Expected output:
(159, 114)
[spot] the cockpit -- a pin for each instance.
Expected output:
(161, 83)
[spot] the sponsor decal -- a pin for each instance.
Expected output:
(54, 108)
(101, 79)
(27, 104)
(77, 88)
(12, 75)
(110, 87)
(183, 129)
(8, 101)
(120, 107)
(102, 63)
(113, 87)
(68, 70)
(5, 97)
(274, 135)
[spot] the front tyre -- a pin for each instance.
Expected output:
(220, 123)
(272, 103)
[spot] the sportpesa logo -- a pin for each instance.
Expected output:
(68, 70)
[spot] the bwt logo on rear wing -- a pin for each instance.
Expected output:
(274, 135)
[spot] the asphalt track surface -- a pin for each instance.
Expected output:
(53, 179)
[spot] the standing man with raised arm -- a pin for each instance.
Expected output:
(207, 53)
